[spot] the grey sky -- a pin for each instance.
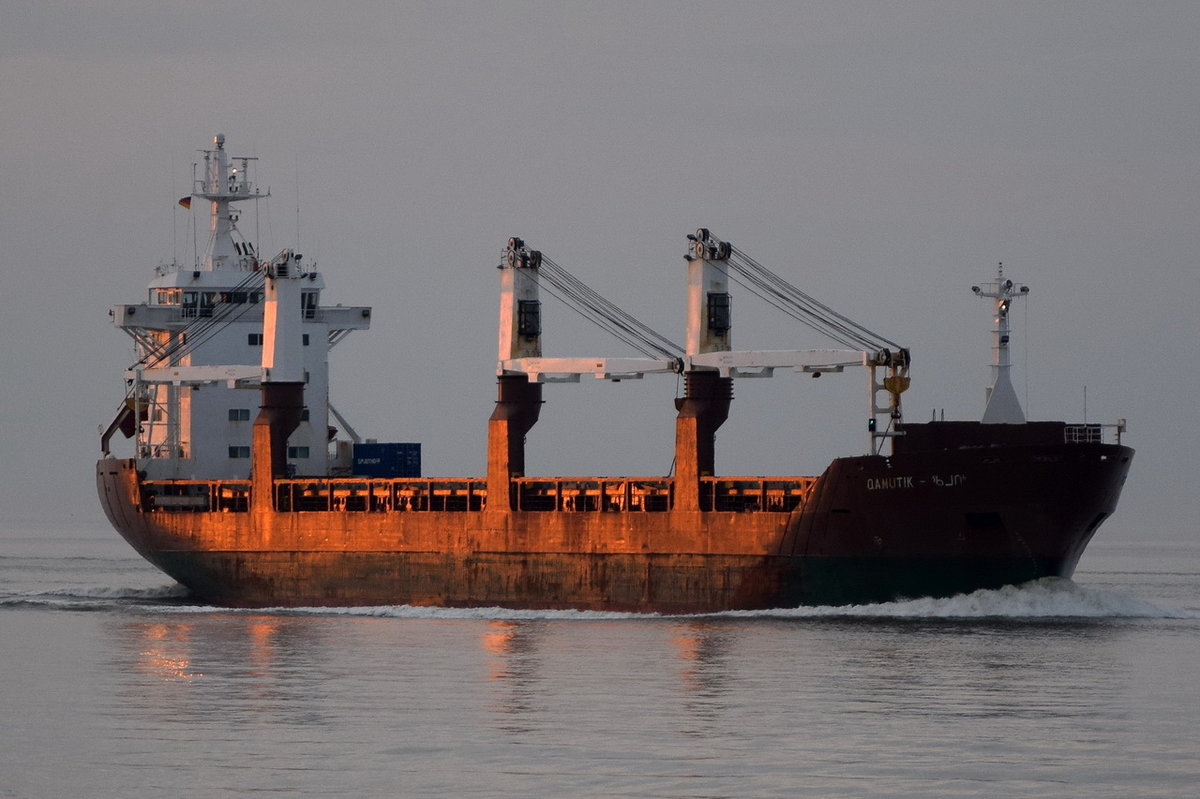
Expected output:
(882, 156)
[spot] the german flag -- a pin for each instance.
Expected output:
(186, 202)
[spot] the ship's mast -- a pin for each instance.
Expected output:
(708, 303)
(223, 185)
(1002, 406)
(519, 400)
(707, 392)
(520, 307)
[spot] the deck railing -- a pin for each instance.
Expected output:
(196, 496)
(533, 494)
(379, 496)
(584, 494)
(745, 494)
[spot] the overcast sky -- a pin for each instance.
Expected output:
(881, 156)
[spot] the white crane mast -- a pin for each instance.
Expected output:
(520, 339)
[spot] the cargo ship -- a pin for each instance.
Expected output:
(241, 489)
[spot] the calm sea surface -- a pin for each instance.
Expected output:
(112, 684)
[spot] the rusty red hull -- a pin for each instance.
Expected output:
(935, 520)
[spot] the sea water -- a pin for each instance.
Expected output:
(113, 684)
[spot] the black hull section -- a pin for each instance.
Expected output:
(1042, 502)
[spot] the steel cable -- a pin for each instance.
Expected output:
(603, 313)
(800, 306)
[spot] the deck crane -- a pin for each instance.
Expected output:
(522, 273)
(708, 353)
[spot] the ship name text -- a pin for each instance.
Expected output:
(883, 483)
(906, 481)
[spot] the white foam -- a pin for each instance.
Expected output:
(95, 598)
(169, 591)
(1049, 598)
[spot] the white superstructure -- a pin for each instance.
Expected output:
(202, 348)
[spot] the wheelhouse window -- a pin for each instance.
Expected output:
(308, 301)
(239, 414)
(239, 452)
(199, 303)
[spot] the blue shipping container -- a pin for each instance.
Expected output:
(387, 460)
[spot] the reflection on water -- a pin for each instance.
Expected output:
(165, 655)
(513, 672)
(214, 702)
(705, 681)
(530, 675)
(230, 665)
(992, 669)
